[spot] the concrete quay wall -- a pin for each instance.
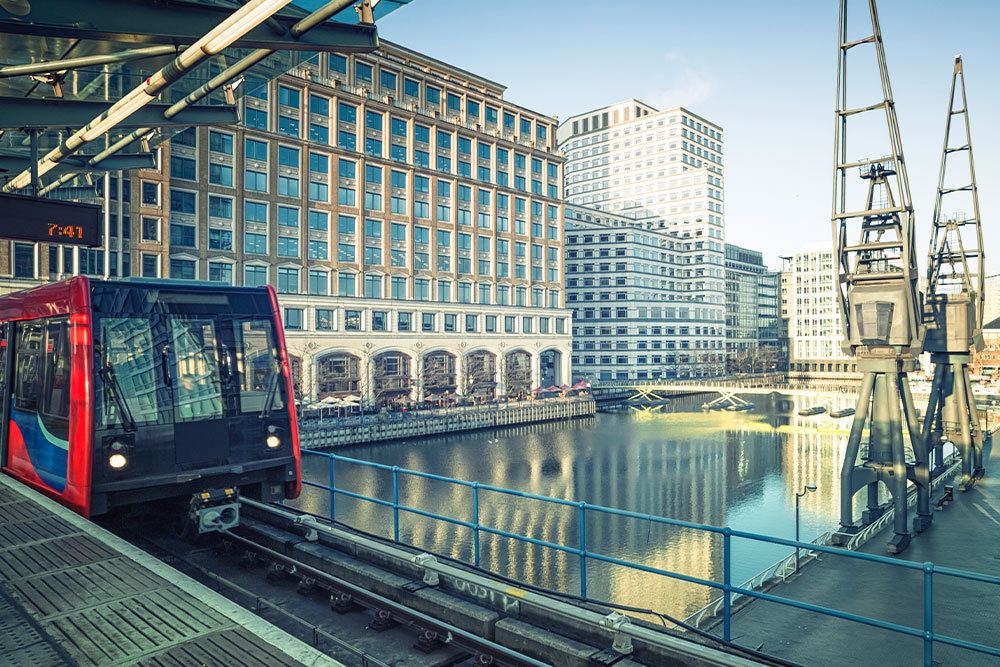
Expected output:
(318, 433)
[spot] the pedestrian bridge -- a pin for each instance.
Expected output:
(658, 389)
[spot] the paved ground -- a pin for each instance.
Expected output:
(965, 535)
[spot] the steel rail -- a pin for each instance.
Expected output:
(597, 621)
(465, 638)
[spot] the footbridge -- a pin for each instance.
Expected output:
(652, 390)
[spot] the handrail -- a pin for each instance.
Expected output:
(759, 581)
(730, 592)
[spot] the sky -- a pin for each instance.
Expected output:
(765, 71)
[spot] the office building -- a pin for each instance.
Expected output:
(751, 312)
(630, 285)
(991, 298)
(815, 330)
(632, 160)
(409, 217)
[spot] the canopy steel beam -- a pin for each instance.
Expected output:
(179, 23)
(11, 162)
(218, 38)
(49, 66)
(32, 113)
(301, 27)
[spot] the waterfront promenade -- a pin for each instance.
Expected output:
(319, 432)
(963, 536)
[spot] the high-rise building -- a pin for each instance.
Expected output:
(409, 217)
(629, 284)
(751, 312)
(991, 298)
(665, 170)
(649, 165)
(815, 330)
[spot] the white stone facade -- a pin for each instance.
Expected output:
(327, 328)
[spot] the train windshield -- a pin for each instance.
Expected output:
(179, 362)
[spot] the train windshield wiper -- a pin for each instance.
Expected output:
(111, 383)
(272, 390)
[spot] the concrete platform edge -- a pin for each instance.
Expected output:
(295, 648)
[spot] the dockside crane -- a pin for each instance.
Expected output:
(880, 307)
(953, 308)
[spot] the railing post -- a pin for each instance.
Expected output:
(475, 511)
(395, 502)
(583, 549)
(333, 493)
(928, 614)
(726, 583)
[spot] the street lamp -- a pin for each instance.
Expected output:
(809, 488)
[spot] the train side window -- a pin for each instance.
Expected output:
(28, 362)
(257, 367)
(53, 404)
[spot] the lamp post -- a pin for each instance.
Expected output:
(809, 488)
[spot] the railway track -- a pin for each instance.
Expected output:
(365, 602)
(350, 624)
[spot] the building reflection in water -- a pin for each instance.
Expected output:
(739, 469)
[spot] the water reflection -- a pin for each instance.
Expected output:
(739, 469)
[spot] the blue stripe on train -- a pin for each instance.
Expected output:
(49, 455)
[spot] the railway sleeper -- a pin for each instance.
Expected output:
(307, 586)
(343, 603)
(382, 621)
(429, 641)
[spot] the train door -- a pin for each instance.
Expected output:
(38, 438)
(5, 359)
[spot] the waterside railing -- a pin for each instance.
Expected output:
(730, 592)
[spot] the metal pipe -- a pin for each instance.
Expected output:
(86, 61)
(231, 72)
(235, 26)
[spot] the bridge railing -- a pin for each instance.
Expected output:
(931, 574)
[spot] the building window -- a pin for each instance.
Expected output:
(151, 230)
(346, 284)
(288, 280)
(182, 269)
(24, 260)
(293, 318)
(220, 272)
(182, 235)
(150, 193)
(318, 283)
(150, 265)
(324, 318)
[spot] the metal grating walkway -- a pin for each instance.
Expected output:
(68, 597)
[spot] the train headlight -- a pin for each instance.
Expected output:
(272, 440)
(118, 458)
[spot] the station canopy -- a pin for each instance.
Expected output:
(64, 62)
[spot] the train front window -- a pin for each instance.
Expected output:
(196, 377)
(258, 371)
(128, 370)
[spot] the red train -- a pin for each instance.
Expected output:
(126, 392)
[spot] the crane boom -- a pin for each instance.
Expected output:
(953, 309)
(879, 304)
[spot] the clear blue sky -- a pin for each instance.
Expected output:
(765, 71)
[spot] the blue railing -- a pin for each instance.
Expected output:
(728, 589)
